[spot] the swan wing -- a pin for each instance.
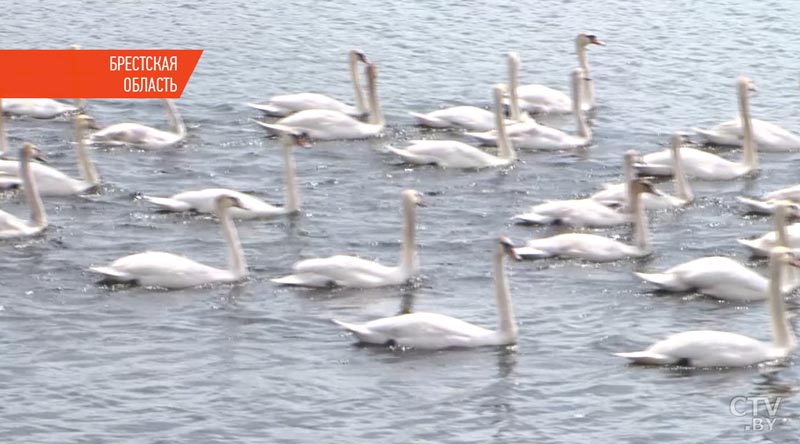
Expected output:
(419, 330)
(580, 245)
(446, 153)
(470, 118)
(348, 271)
(290, 103)
(159, 269)
(37, 108)
(705, 348)
(543, 99)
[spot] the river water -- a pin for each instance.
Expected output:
(255, 363)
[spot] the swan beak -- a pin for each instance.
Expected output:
(508, 247)
(422, 203)
(302, 140)
(40, 157)
(595, 41)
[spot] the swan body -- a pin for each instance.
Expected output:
(769, 136)
(574, 212)
(14, 227)
(37, 108)
(325, 124)
(204, 201)
(351, 271)
(709, 348)
(543, 99)
(455, 154)
(768, 202)
(432, 331)
(172, 271)
(704, 165)
(470, 118)
(592, 247)
(143, 136)
(286, 104)
(762, 245)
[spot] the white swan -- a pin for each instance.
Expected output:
(204, 201)
(433, 331)
(455, 154)
(12, 226)
(52, 182)
(38, 108)
(283, 105)
(593, 247)
(710, 348)
(352, 271)
(723, 277)
(785, 236)
(543, 99)
(766, 204)
(167, 270)
(143, 136)
(616, 194)
(532, 135)
(324, 124)
(704, 165)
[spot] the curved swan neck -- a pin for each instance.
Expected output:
(630, 176)
(176, 121)
(682, 187)
(782, 335)
(355, 78)
(290, 180)
(507, 325)
(236, 260)
(641, 233)
(577, 102)
(87, 168)
(409, 261)
(749, 148)
(504, 147)
(779, 222)
(376, 113)
(32, 190)
(513, 85)
(3, 139)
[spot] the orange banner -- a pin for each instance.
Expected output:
(95, 73)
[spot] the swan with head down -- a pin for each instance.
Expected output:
(286, 104)
(433, 331)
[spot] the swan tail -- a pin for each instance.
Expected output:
(275, 128)
(357, 329)
(647, 358)
(756, 249)
(112, 274)
(426, 120)
(664, 281)
(168, 204)
(756, 206)
(305, 280)
(531, 253)
(268, 109)
(483, 138)
(532, 218)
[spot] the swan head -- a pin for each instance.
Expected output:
(414, 198)
(640, 186)
(508, 248)
(359, 56)
(785, 256)
(677, 140)
(30, 151)
(298, 138)
(588, 39)
(86, 121)
(226, 201)
(746, 84)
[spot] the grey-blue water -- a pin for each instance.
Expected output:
(256, 363)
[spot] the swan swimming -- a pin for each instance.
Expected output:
(325, 124)
(12, 226)
(433, 331)
(204, 201)
(352, 271)
(455, 154)
(284, 105)
(143, 136)
(710, 348)
(172, 271)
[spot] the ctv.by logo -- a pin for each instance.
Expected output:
(749, 406)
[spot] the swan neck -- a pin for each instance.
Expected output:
(504, 147)
(3, 139)
(376, 113)
(505, 312)
(749, 148)
(641, 233)
(577, 102)
(409, 261)
(355, 78)
(32, 192)
(513, 85)
(87, 168)
(682, 187)
(290, 179)
(236, 260)
(779, 220)
(175, 119)
(782, 335)
(588, 87)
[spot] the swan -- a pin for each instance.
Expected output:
(433, 331)
(325, 124)
(532, 135)
(766, 204)
(38, 108)
(593, 247)
(704, 165)
(204, 201)
(283, 105)
(455, 154)
(52, 182)
(543, 99)
(167, 270)
(143, 136)
(710, 348)
(12, 226)
(616, 194)
(352, 271)
(786, 236)
(723, 277)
